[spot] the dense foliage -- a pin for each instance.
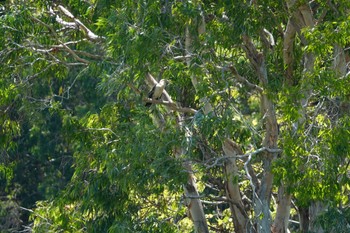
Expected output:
(252, 133)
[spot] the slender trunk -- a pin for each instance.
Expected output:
(304, 219)
(262, 201)
(262, 197)
(339, 61)
(315, 209)
(194, 204)
(280, 224)
(240, 218)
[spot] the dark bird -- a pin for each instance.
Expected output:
(156, 91)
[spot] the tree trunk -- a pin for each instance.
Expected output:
(280, 224)
(339, 62)
(304, 219)
(315, 209)
(194, 204)
(262, 201)
(262, 197)
(233, 194)
(288, 45)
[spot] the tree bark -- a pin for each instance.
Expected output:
(315, 209)
(304, 220)
(301, 17)
(280, 224)
(262, 197)
(194, 204)
(240, 218)
(339, 61)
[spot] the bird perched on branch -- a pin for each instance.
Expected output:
(156, 91)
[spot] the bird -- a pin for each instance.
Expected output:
(157, 91)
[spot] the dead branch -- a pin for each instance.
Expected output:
(77, 24)
(69, 50)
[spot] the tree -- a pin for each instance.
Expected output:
(251, 135)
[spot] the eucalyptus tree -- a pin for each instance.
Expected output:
(255, 117)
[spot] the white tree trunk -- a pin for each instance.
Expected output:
(280, 224)
(195, 208)
(233, 194)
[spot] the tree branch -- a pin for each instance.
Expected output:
(69, 50)
(244, 156)
(77, 24)
(288, 44)
(243, 79)
(256, 59)
(171, 105)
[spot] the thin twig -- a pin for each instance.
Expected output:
(241, 78)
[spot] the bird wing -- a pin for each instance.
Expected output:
(151, 92)
(150, 95)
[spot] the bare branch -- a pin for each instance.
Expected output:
(243, 79)
(270, 38)
(36, 214)
(256, 59)
(90, 55)
(182, 57)
(171, 105)
(137, 91)
(103, 129)
(69, 50)
(229, 200)
(77, 24)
